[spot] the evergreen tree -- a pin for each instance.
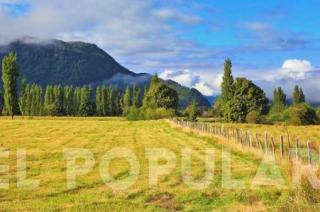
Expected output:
(279, 101)
(10, 75)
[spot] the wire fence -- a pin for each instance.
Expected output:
(280, 147)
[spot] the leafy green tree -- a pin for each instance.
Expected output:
(160, 95)
(10, 75)
(302, 114)
(247, 97)
(192, 111)
(166, 97)
(279, 101)
(254, 117)
(217, 108)
(298, 95)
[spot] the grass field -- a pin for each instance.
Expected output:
(44, 140)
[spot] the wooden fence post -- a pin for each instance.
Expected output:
(309, 152)
(266, 143)
(273, 147)
(281, 146)
(297, 149)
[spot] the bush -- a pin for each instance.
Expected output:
(158, 113)
(192, 111)
(87, 109)
(254, 117)
(302, 114)
(318, 113)
(133, 114)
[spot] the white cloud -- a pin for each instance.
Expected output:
(295, 69)
(204, 88)
(207, 82)
(257, 26)
(173, 14)
(184, 77)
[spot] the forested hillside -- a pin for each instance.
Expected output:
(56, 62)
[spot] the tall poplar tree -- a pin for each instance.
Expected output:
(136, 96)
(10, 75)
(279, 101)
(227, 86)
(127, 98)
(298, 95)
(1, 102)
(23, 97)
(68, 104)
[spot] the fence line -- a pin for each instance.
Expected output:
(268, 145)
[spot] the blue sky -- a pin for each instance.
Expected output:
(270, 41)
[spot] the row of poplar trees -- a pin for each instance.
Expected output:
(58, 100)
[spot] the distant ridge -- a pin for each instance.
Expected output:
(77, 63)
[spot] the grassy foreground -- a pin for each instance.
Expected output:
(45, 139)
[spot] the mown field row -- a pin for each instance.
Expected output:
(44, 141)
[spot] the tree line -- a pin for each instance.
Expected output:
(68, 100)
(242, 101)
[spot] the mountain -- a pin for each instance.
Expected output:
(77, 63)
(211, 99)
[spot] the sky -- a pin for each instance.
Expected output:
(272, 42)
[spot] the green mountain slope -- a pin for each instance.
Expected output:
(78, 63)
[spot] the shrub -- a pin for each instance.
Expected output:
(158, 113)
(133, 113)
(302, 114)
(192, 111)
(254, 117)
(87, 109)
